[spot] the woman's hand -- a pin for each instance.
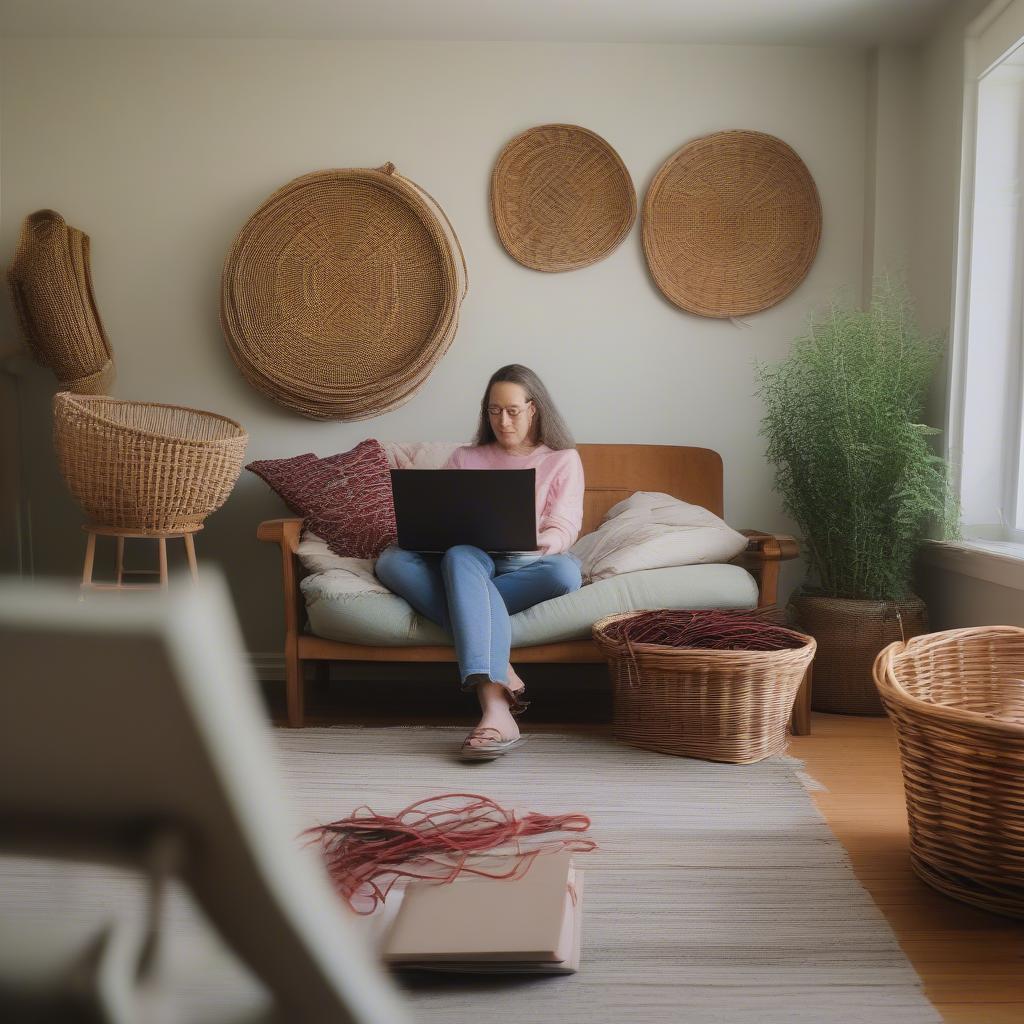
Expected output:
(547, 541)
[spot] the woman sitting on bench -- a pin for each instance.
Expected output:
(470, 593)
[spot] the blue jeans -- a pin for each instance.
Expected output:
(471, 595)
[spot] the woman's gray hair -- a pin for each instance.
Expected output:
(548, 426)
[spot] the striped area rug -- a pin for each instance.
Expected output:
(718, 895)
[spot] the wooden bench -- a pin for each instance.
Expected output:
(613, 472)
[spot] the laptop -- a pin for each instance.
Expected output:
(492, 509)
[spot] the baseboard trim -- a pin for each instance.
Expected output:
(267, 666)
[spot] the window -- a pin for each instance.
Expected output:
(987, 382)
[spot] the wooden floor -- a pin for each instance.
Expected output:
(971, 962)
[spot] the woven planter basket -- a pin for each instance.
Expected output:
(731, 224)
(729, 706)
(51, 288)
(850, 633)
(146, 467)
(342, 292)
(957, 701)
(561, 198)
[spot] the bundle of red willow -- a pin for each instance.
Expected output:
(367, 853)
(708, 630)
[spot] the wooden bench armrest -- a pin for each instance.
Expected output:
(769, 547)
(285, 532)
(761, 559)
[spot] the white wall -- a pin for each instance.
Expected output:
(891, 165)
(160, 150)
(936, 197)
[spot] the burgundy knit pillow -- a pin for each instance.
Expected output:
(296, 479)
(345, 499)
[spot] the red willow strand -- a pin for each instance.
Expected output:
(367, 853)
(708, 630)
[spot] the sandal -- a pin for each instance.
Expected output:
(516, 704)
(494, 748)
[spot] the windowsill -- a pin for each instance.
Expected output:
(995, 561)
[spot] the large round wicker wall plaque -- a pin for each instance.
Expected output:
(342, 292)
(561, 198)
(731, 224)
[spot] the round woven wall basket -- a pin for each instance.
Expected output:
(719, 705)
(342, 292)
(561, 198)
(731, 224)
(143, 466)
(957, 701)
(51, 287)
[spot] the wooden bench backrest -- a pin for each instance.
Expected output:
(615, 471)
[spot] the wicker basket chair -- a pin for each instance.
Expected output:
(957, 701)
(146, 467)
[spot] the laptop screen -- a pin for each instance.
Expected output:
(492, 509)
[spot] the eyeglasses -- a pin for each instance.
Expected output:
(514, 411)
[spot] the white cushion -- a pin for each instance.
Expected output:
(357, 573)
(650, 530)
(419, 454)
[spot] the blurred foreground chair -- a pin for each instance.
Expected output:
(131, 734)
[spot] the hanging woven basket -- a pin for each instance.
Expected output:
(561, 198)
(51, 288)
(731, 224)
(342, 292)
(144, 466)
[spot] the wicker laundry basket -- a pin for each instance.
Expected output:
(143, 466)
(957, 701)
(720, 705)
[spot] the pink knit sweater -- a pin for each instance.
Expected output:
(559, 487)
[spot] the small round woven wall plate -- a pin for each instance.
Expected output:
(731, 224)
(561, 198)
(342, 292)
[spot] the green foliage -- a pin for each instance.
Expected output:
(855, 467)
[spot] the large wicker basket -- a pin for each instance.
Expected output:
(143, 466)
(719, 705)
(957, 701)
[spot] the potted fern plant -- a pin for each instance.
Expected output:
(857, 472)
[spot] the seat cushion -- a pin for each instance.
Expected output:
(350, 606)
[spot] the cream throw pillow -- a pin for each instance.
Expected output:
(649, 530)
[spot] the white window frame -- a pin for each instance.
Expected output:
(992, 37)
